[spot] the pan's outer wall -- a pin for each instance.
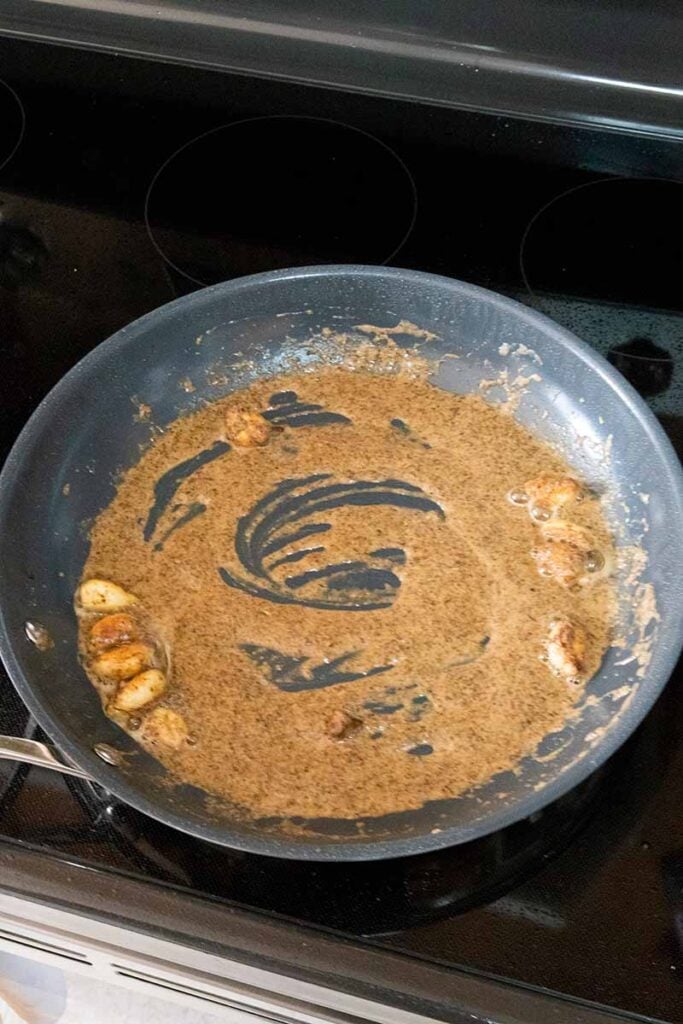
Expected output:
(84, 432)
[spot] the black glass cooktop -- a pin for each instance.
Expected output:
(125, 184)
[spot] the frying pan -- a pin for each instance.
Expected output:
(221, 338)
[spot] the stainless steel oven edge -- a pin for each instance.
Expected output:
(169, 970)
(238, 992)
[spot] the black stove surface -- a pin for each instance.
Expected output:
(118, 196)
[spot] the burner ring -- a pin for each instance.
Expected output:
(8, 95)
(367, 181)
(572, 215)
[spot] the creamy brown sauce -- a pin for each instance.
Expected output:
(296, 705)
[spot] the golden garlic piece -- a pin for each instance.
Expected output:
(247, 429)
(142, 689)
(566, 649)
(103, 596)
(112, 630)
(548, 493)
(123, 662)
(341, 724)
(567, 553)
(165, 727)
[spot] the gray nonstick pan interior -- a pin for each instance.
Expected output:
(87, 430)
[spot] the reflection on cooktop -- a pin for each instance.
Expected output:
(649, 367)
(12, 122)
(615, 238)
(281, 191)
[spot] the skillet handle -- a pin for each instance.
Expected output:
(16, 748)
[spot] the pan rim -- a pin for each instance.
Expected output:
(669, 644)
